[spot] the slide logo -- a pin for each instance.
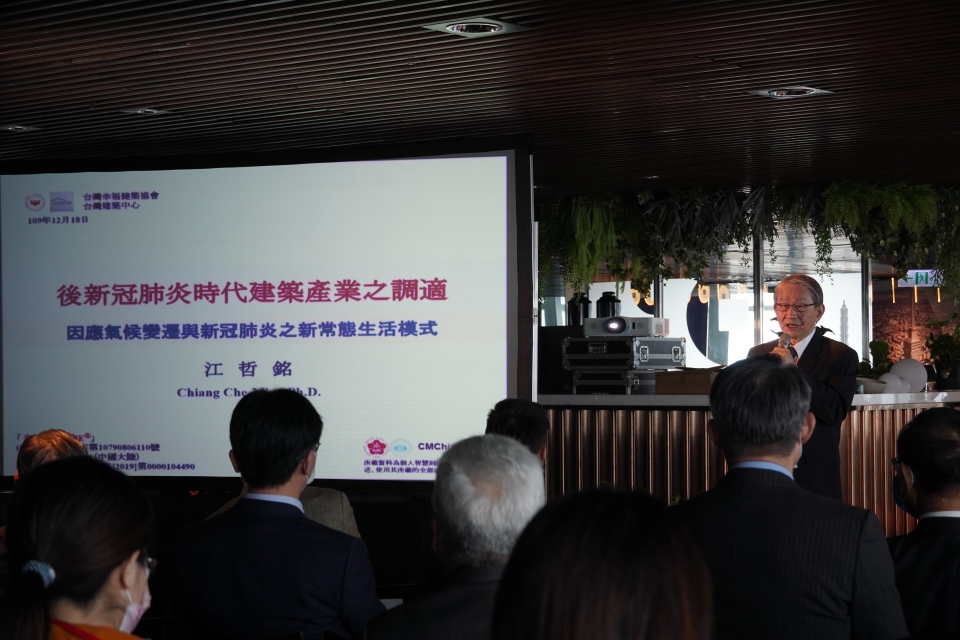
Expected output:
(61, 201)
(401, 448)
(375, 447)
(35, 202)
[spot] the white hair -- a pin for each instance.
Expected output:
(487, 489)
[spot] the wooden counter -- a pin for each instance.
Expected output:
(659, 444)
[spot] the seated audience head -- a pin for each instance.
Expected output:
(76, 535)
(521, 420)
(46, 446)
(604, 566)
(928, 462)
(487, 490)
(275, 435)
(760, 410)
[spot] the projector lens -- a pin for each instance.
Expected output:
(615, 325)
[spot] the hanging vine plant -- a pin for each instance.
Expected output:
(638, 233)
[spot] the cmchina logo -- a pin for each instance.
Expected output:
(375, 447)
(35, 202)
(401, 448)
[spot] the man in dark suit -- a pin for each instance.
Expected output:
(830, 369)
(487, 489)
(786, 563)
(927, 560)
(521, 420)
(263, 569)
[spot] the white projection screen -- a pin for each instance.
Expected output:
(139, 305)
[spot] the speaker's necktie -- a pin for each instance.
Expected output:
(793, 352)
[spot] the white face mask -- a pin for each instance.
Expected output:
(313, 472)
(131, 617)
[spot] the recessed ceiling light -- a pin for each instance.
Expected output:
(475, 27)
(145, 111)
(782, 93)
(17, 128)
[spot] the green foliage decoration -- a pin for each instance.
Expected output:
(880, 350)
(944, 345)
(640, 234)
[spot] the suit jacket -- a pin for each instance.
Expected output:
(927, 562)
(830, 368)
(461, 610)
(263, 570)
(787, 563)
(326, 506)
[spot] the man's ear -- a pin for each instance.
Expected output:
(907, 474)
(233, 461)
(713, 430)
(542, 454)
(308, 463)
(806, 429)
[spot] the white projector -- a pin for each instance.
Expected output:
(619, 326)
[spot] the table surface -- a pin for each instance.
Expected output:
(703, 401)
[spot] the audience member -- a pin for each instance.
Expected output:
(786, 563)
(603, 566)
(487, 490)
(263, 569)
(46, 446)
(927, 561)
(521, 420)
(77, 534)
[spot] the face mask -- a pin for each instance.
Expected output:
(131, 617)
(313, 472)
(898, 498)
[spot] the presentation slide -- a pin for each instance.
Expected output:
(139, 306)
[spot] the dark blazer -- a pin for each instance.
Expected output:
(461, 610)
(927, 562)
(787, 563)
(263, 570)
(831, 368)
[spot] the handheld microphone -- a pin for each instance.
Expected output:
(784, 340)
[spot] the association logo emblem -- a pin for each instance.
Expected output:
(61, 201)
(401, 448)
(375, 447)
(35, 202)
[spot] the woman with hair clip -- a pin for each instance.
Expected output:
(603, 566)
(76, 536)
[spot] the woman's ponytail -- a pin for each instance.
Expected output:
(25, 607)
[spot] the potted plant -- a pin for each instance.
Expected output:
(944, 346)
(880, 351)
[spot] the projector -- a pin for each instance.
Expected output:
(618, 326)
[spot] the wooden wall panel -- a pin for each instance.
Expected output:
(668, 454)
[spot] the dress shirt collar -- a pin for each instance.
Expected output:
(803, 344)
(272, 497)
(760, 464)
(941, 514)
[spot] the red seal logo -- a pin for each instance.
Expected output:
(375, 447)
(35, 202)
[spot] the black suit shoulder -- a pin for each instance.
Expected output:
(927, 563)
(788, 563)
(461, 612)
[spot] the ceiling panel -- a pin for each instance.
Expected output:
(613, 93)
